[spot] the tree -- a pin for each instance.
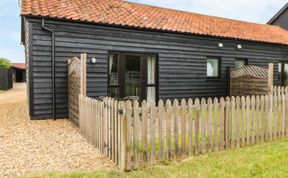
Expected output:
(5, 63)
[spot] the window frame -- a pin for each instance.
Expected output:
(240, 59)
(219, 59)
(108, 73)
(282, 81)
(144, 68)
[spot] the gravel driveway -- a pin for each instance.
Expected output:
(28, 147)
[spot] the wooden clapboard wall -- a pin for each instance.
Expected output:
(251, 80)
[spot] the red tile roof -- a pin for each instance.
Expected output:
(19, 65)
(122, 13)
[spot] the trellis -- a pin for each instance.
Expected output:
(75, 82)
(251, 80)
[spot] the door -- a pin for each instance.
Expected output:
(132, 75)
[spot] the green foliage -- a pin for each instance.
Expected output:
(5, 63)
(263, 160)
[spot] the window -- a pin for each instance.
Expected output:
(240, 63)
(213, 67)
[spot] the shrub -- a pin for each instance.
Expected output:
(5, 63)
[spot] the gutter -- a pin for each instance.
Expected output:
(53, 66)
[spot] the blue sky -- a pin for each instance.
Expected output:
(259, 11)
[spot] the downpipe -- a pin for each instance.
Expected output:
(53, 67)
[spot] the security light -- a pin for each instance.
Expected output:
(93, 60)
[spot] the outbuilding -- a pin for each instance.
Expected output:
(137, 50)
(19, 72)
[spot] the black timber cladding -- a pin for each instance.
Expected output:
(182, 60)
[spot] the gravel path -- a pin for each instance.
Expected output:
(28, 147)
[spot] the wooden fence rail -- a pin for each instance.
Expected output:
(132, 133)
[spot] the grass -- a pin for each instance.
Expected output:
(1, 91)
(264, 160)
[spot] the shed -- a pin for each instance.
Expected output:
(251, 80)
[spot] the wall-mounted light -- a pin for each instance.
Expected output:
(220, 45)
(239, 46)
(93, 60)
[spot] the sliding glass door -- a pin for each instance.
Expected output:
(132, 75)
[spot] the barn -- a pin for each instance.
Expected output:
(137, 50)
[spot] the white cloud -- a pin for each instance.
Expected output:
(259, 11)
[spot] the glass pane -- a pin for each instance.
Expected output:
(280, 72)
(133, 76)
(212, 68)
(285, 75)
(151, 70)
(240, 63)
(113, 70)
(151, 93)
(114, 92)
